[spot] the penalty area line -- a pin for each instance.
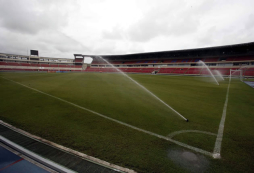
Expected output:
(122, 123)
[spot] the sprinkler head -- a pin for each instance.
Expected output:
(187, 120)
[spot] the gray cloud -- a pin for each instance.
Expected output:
(240, 31)
(31, 17)
(167, 20)
(60, 28)
(49, 42)
(114, 34)
(250, 22)
(36, 24)
(209, 38)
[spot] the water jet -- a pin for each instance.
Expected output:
(219, 74)
(144, 88)
(201, 62)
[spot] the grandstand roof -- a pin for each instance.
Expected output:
(227, 50)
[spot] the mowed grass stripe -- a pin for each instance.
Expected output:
(122, 123)
(147, 117)
(118, 98)
(82, 131)
(72, 127)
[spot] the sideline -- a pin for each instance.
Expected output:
(217, 147)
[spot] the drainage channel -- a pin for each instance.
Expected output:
(49, 156)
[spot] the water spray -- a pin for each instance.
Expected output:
(144, 88)
(219, 74)
(201, 62)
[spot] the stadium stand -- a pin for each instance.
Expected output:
(211, 59)
(184, 62)
(10, 62)
(230, 59)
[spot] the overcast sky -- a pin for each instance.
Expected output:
(60, 28)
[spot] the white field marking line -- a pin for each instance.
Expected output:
(122, 123)
(144, 88)
(49, 162)
(217, 147)
(171, 135)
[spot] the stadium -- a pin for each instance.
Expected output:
(186, 110)
(183, 62)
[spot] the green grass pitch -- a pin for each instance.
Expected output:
(115, 96)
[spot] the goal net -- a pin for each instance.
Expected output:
(236, 74)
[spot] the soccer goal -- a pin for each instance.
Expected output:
(236, 74)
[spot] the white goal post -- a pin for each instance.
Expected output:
(236, 74)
